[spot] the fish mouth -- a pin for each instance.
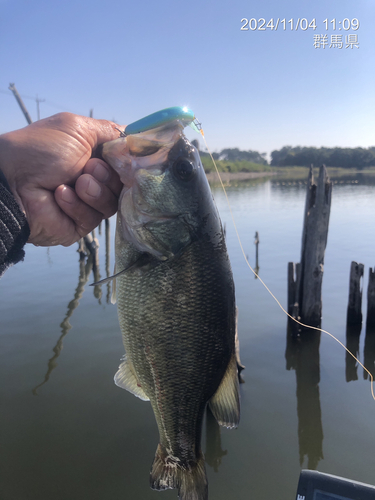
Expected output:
(129, 154)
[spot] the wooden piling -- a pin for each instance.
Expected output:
(315, 234)
(308, 283)
(256, 242)
(370, 323)
(354, 312)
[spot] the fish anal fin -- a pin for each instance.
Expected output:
(168, 473)
(126, 379)
(225, 403)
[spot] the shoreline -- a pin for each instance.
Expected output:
(286, 173)
(237, 176)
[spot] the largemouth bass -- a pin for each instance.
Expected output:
(175, 296)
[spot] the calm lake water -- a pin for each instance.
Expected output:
(78, 436)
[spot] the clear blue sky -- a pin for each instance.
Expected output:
(256, 89)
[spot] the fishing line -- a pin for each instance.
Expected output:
(266, 287)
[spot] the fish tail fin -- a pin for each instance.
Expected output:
(168, 473)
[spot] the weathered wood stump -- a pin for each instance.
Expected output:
(354, 313)
(370, 323)
(305, 283)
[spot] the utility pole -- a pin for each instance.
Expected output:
(12, 87)
(37, 105)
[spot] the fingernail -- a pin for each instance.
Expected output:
(100, 173)
(68, 195)
(93, 189)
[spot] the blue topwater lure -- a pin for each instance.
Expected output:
(163, 117)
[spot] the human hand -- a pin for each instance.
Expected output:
(62, 190)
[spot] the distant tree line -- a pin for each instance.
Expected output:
(235, 154)
(332, 157)
(301, 156)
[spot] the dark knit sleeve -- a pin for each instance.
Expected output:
(14, 229)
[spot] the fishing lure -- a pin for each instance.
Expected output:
(164, 117)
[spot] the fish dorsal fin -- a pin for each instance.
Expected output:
(225, 403)
(126, 379)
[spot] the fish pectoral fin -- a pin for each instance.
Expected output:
(225, 403)
(113, 296)
(110, 278)
(141, 262)
(127, 379)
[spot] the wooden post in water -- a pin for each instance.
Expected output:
(256, 242)
(354, 314)
(306, 286)
(108, 256)
(370, 323)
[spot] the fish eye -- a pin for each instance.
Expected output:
(184, 169)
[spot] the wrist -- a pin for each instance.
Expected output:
(8, 150)
(4, 182)
(4, 161)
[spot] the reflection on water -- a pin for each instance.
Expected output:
(84, 274)
(353, 333)
(95, 266)
(302, 355)
(214, 453)
(88, 247)
(369, 352)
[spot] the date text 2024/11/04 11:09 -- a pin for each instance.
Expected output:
(294, 24)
